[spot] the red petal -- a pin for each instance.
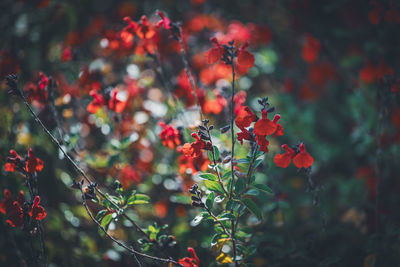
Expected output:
(282, 160)
(9, 167)
(303, 160)
(214, 54)
(264, 127)
(245, 59)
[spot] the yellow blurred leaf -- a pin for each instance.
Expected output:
(224, 258)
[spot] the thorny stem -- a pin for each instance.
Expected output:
(79, 170)
(119, 243)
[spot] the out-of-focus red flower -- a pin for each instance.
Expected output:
(13, 161)
(311, 49)
(12, 209)
(37, 212)
(192, 261)
(145, 30)
(320, 73)
(161, 209)
(245, 59)
(303, 159)
(194, 164)
(215, 53)
(265, 126)
(194, 149)
(170, 137)
(97, 102)
(371, 73)
(245, 117)
(33, 164)
(128, 176)
(215, 105)
(164, 22)
(66, 54)
(392, 15)
(239, 99)
(115, 103)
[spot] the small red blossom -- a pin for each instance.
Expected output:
(265, 126)
(239, 99)
(245, 117)
(37, 212)
(194, 149)
(33, 164)
(243, 135)
(66, 54)
(170, 137)
(245, 59)
(116, 102)
(262, 142)
(145, 30)
(164, 22)
(12, 209)
(96, 103)
(311, 49)
(43, 81)
(129, 175)
(303, 159)
(192, 261)
(283, 160)
(215, 53)
(13, 161)
(300, 160)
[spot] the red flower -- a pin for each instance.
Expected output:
(33, 164)
(300, 160)
(194, 149)
(215, 53)
(245, 117)
(311, 49)
(192, 261)
(265, 126)
(66, 54)
(12, 209)
(13, 161)
(115, 103)
(283, 160)
(96, 103)
(128, 32)
(170, 137)
(245, 59)
(128, 176)
(243, 135)
(164, 21)
(37, 212)
(303, 159)
(145, 30)
(43, 81)
(262, 142)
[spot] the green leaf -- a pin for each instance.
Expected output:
(138, 199)
(106, 221)
(242, 161)
(216, 154)
(213, 186)
(263, 188)
(210, 201)
(240, 185)
(257, 163)
(100, 214)
(227, 216)
(209, 176)
(227, 174)
(252, 206)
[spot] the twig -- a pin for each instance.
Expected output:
(119, 243)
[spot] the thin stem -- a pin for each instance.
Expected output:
(215, 163)
(218, 221)
(119, 243)
(76, 166)
(187, 69)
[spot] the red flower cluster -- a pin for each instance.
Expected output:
(301, 159)
(194, 149)
(170, 137)
(38, 90)
(15, 212)
(371, 73)
(192, 261)
(262, 128)
(30, 164)
(245, 60)
(115, 102)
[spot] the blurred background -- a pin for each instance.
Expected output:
(329, 67)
